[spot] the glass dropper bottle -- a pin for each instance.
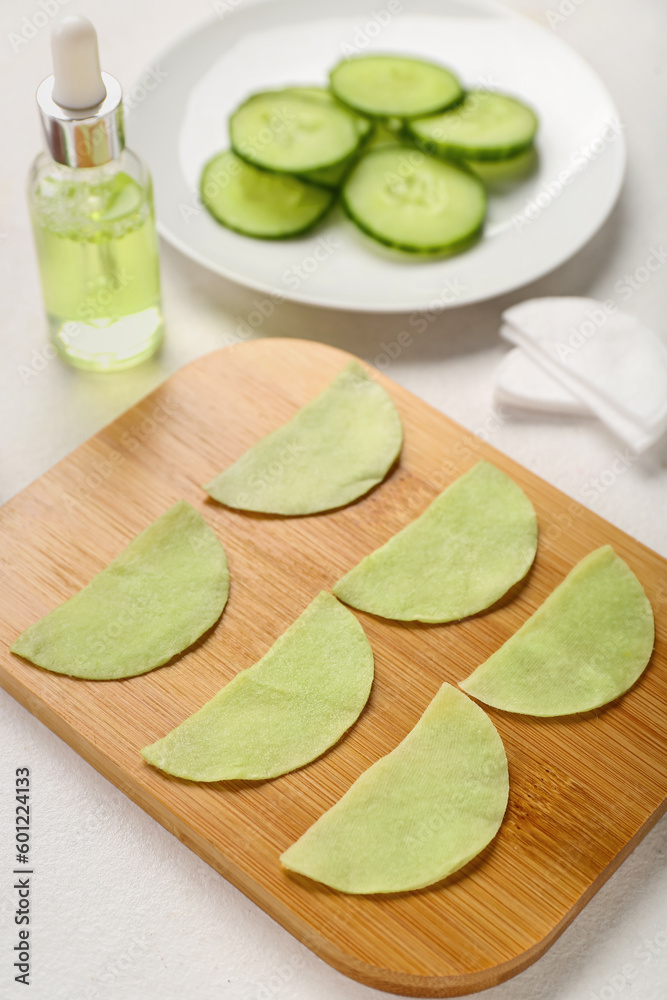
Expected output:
(91, 205)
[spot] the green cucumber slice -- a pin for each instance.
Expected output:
(257, 203)
(414, 202)
(500, 175)
(290, 132)
(385, 134)
(324, 96)
(333, 176)
(383, 86)
(485, 126)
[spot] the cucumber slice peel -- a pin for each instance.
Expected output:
(330, 177)
(385, 86)
(485, 126)
(260, 204)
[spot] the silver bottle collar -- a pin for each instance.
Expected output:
(86, 138)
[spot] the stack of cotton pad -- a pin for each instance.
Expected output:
(583, 357)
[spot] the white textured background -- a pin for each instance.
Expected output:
(121, 910)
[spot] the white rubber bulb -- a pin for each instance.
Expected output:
(76, 64)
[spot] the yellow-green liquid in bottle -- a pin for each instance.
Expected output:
(97, 248)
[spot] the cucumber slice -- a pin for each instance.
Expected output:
(485, 126)
(290, 132)
(385, 135)
(394, 86)
(333, 177)
(325, 97)
(257, 203)
(499, 175)
(415, 202)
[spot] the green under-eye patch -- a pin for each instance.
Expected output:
(586, 645)
(418, 814)
(461, 555)
(284, 711)
(335, 449)
(153, 601)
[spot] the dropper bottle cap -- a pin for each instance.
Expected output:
(81, 108)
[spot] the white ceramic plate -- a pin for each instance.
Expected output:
(259, 45)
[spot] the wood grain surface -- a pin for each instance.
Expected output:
(584, 789)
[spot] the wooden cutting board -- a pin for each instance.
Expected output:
(584, 790)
